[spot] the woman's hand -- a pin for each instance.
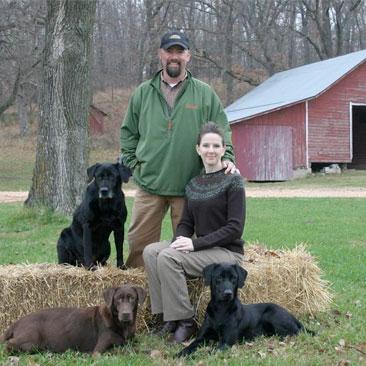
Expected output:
(182, 244)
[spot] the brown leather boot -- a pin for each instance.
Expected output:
(186, 328)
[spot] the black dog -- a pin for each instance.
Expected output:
(228, 321)
(102, 210)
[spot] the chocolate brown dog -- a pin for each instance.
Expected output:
(227, 321)
(92, 329)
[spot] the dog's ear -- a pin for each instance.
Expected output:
(242, 274)
(207, 273)
(141, 294)
(91, 171)
(108, 296)
(124, 172)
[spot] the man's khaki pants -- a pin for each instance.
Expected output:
(147, 216)
(167, 270)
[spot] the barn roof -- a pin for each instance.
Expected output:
(293, 86)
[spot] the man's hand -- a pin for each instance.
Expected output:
(230, 167)
(182, 244)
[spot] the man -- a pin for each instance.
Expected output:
(158, 138)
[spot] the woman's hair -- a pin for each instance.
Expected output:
(210, 127)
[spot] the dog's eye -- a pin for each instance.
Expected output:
(234, 280)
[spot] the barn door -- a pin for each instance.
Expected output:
(266, 153)
(359, 137)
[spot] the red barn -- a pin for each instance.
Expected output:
(309, 115)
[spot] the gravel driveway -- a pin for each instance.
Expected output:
(250, 192)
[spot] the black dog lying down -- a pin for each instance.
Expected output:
(102, 210)
(228, 321)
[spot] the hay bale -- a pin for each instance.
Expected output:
(25, 288)
(290, 278)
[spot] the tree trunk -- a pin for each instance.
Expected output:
(59, 176)
(22, 109)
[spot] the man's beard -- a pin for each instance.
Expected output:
(173, 71)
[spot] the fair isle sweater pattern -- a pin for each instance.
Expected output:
(211, 185)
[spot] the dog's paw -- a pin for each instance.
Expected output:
(122, 266)
(92, 267)
(182, 353)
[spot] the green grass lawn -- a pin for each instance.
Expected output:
(334, 232)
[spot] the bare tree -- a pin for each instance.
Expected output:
(328, 25)
(62, 141)
(21, 27)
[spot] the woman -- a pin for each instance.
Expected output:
(214, 211)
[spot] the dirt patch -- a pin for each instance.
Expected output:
(307, 192)
(352, 192)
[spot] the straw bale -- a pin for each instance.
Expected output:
(25, 288)
(290, 278)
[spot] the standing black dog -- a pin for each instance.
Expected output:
(228, 321)
(102, 210)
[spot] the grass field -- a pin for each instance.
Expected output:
(333, 230)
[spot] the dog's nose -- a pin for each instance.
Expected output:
(126, 317)
(103, 191)
(228, 294)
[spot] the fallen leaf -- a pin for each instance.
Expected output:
(342, 342)
(272, 254)
(361, 347)
(155, 353)
(13, 361)
(336, 312)
(343, 363)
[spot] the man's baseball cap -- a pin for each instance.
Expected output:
(174, 38)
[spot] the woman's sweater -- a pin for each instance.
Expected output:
(214, 210)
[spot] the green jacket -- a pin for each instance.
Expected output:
(158, 144)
